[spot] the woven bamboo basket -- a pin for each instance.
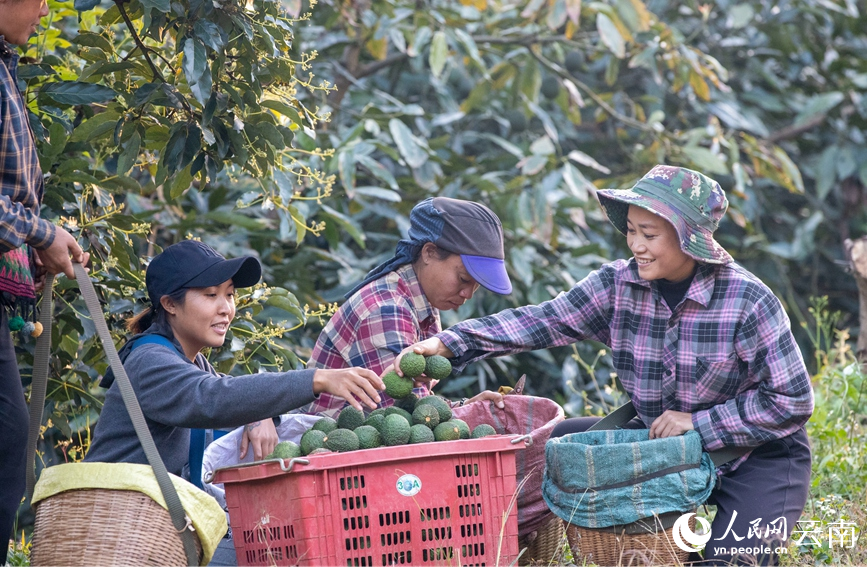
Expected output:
(547, 547)
(608, 546)
(105, 527)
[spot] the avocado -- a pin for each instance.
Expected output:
(395, 430)
(483, 430)
(407, 403)
(447, 431)
(426, 414)
(438, 367)
(412, 365)
(342, 441)
(441, 405)
(402, 412)
(419, 433)
(550, 87)
(396, 386)
(311, 440)
(285, 450)
(368, 437)
(375, 420)
(350, 418)
(517, 123)
(462, 425)
(574, 61)
(325, 425)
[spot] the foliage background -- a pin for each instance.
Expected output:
(305, 133)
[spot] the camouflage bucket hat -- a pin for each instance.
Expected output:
(691, 201)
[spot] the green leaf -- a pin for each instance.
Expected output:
(76, 92)
(610, 35)
(196, 70)
(235, 219)
(580, 157)
(705, 160)
(300, 222)
(407, 144)
(346, 224)
(95, 127)
(379, 193)
(175, 147)
(438, 53)
(818, 105)
(127, 157)
(288, 303)
(90, 39)
(576, 182)
(346, 169)
(378, 170)
(210, 34)
(163, 6)
(181, 183)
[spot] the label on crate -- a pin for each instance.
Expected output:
(409, 485)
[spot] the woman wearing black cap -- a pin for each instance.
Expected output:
(192, 289)
(452, 248)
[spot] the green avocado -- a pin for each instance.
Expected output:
(396, 386)
(342, 441)
(426, 414)
(350, 418)
(447, 431)
(441, 405)
(325, 425)
(395, 430)
(311, 440)
(412, 365)
(285, 450)
(437, 367)
(483, 430)
(420, 434)
(368, 437)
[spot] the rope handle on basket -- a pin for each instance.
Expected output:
(39, 385)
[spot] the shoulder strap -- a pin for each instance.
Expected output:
(622, 415)
(37, 402)
(155, 339)
(198, 437)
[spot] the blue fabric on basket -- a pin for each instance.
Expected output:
(598, 479)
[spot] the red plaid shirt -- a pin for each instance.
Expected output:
(370, 330)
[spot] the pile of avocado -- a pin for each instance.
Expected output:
(410, 420)
(430, 420)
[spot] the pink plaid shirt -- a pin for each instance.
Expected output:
(371, 328)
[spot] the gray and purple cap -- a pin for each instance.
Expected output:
(466, 228)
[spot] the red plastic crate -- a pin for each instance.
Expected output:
(445, 503)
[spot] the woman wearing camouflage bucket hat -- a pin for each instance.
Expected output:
(698, 343)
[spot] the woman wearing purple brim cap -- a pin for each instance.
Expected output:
(453, 247)
(698, 343)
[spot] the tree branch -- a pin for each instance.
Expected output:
(795, 130)
(591, 93)
(138, 41)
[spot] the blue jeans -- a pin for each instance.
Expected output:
(13, 435)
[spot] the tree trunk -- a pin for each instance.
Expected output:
(857, 254)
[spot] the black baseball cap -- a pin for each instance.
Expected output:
(191, 264)
(473, 231)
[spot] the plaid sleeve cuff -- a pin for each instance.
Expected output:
(456, 344)
(706, 423)
(42, 235)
